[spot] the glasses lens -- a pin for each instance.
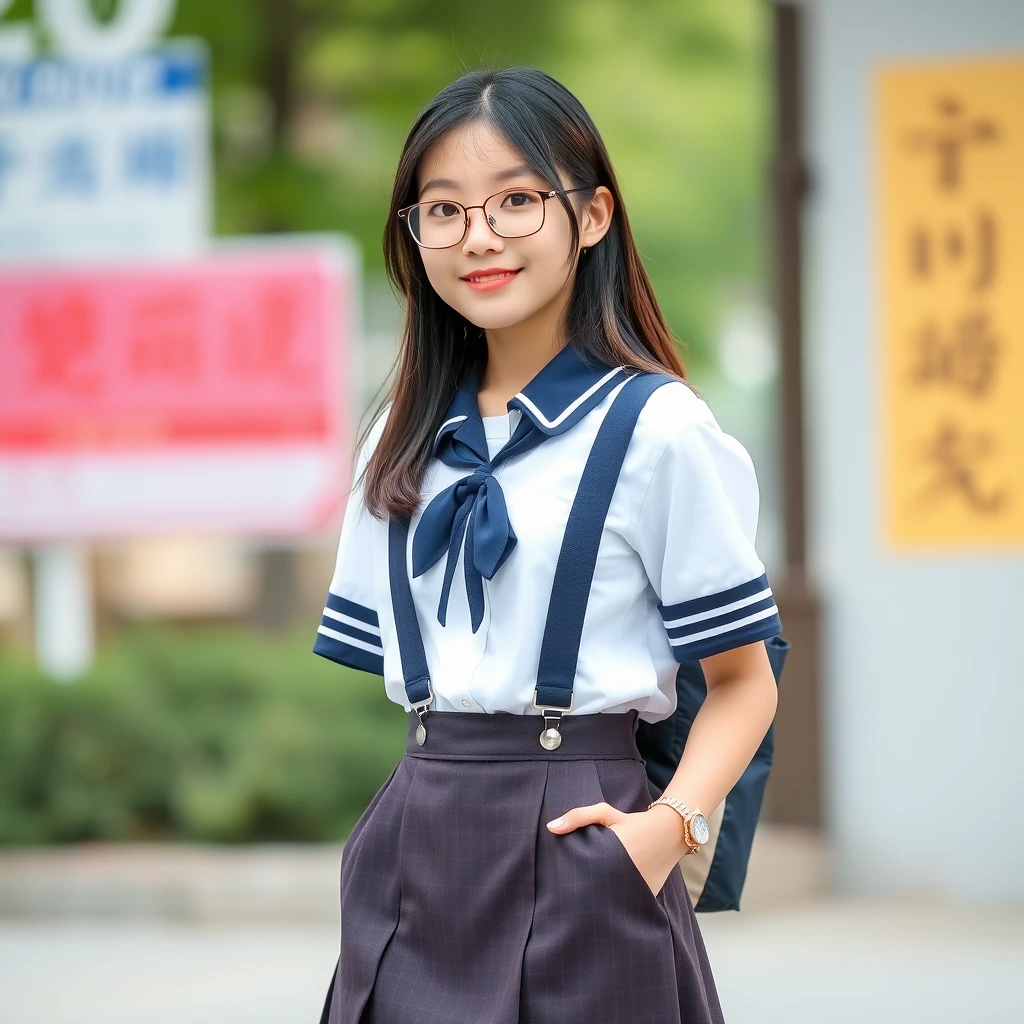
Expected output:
(515, 213)
(437, 225)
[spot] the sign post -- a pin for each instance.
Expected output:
(64, 612)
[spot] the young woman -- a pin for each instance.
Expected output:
(506, 872)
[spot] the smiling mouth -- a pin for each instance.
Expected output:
(483, 277)
(490, 278)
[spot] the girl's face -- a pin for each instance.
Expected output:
(468, 165)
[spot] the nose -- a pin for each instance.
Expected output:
(479, 236)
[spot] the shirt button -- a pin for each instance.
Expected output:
(467, 703)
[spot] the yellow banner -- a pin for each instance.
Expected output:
(950, 175)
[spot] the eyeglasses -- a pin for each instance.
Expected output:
(514, 213)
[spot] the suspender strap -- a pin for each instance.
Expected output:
(577, 559)
(410, 639)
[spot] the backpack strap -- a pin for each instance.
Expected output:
(577, 559)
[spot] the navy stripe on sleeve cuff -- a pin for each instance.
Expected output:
(349, 634)
(354, 610)
(718, 622)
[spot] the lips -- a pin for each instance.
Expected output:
(490, 279)
(489, 274)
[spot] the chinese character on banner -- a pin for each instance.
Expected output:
(71, 168)
(164, 340)
(951, 233)
(60, 335)
(154, 159)
(8, 162)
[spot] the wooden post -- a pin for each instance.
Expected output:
(794, 788)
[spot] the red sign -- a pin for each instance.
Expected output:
(234, 357)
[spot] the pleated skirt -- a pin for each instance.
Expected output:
(459, 906)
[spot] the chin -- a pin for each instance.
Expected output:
(497, 323)
(494, 319)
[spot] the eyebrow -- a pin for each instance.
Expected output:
(512, 172)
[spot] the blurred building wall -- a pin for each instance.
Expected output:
(924, 695)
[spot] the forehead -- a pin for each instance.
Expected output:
(470, 156)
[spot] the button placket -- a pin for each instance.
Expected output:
(470, 646)
(481, 633)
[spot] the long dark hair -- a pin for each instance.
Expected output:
(612, 318)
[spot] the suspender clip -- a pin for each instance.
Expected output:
(550, 737)
(421, 710)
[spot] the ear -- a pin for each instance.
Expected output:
(596, 217)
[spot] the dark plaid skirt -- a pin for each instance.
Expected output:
(459, 906)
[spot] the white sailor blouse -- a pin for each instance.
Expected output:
(677, 575)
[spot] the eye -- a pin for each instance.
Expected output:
(443, 209)
(517, 200)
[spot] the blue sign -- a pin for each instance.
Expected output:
(104, 158)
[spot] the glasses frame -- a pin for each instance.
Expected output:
(545, 195)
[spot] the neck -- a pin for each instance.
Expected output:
(516, 354)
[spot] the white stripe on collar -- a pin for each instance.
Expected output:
(454, 419)
(567, 411)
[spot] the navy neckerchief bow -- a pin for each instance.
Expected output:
(562, 392)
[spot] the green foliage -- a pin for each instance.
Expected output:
(194, 734)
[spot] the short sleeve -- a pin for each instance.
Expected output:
(695, 535)
(349, 631)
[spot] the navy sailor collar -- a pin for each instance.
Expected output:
(562, 392)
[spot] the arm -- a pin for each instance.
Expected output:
(725, 734)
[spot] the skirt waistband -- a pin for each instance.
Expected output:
(480, 736)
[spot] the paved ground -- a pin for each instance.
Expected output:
(840, 963)
(819, 963)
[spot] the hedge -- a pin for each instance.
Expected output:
(194, 734)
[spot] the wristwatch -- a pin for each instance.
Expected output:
(695, 826)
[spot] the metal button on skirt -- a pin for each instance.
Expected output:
(459, 906)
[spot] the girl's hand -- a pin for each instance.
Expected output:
(653, 840)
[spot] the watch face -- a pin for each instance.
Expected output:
(699, 829)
